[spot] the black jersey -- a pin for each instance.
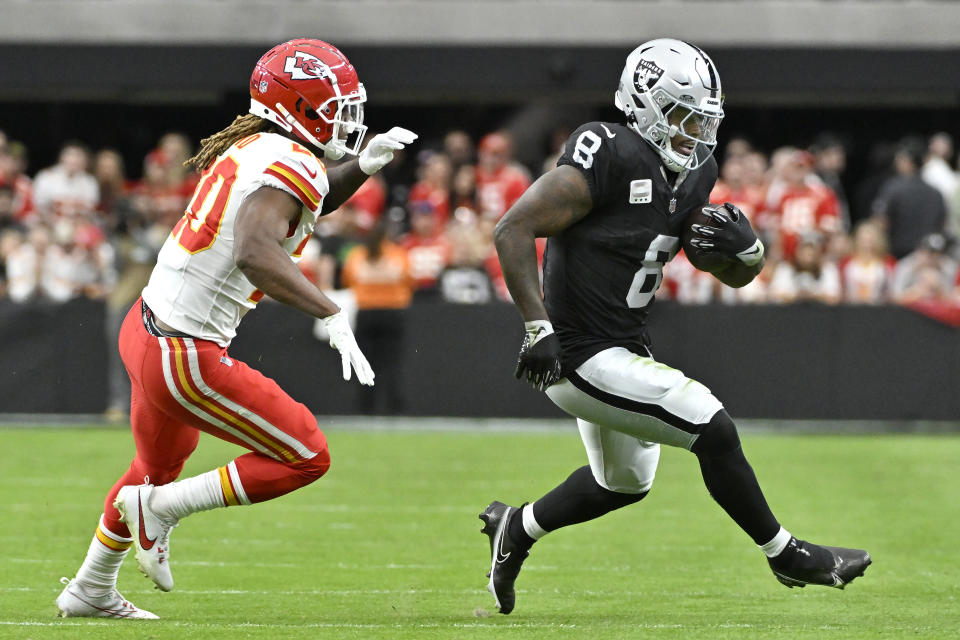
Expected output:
(600, 274)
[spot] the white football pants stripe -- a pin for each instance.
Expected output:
(200, 413)
(237, 485)
(292, 443)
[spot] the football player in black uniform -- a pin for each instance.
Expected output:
(614, 209)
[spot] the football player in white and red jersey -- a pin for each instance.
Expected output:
(262, 189)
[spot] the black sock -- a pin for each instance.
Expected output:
(577, 499)
(799, 554)
(731, 481)
(516, 531)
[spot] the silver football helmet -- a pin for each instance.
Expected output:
(668, 80)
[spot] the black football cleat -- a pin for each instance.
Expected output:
(803, 563)
(506, 557)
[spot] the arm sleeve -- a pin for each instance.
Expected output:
(590, 150)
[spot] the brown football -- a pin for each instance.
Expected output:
(708, 263)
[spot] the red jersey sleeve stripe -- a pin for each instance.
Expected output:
(300, 177)
(306, 191)
(299, 250)
(297, 189)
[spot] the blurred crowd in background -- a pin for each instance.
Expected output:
(422, 230)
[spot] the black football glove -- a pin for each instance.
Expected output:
(539, 355)
(730, 235)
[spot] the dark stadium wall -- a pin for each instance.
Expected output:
(775, 96)
(777, 362)
(53, 357)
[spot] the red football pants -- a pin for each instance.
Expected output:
(181, 386)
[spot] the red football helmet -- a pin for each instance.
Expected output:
(309, 87)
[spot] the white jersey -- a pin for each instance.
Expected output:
(196, 287)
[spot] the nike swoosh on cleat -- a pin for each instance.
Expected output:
(501, 556)
(145, 543)
(114, 613)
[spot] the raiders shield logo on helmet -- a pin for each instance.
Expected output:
(647, 74)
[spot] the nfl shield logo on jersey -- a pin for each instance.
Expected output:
(641, 191)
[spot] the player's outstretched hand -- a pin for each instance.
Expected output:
(342, 339)
(539, 357)
(379, 151)
(730, 234)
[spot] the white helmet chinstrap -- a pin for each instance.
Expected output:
(664, 75)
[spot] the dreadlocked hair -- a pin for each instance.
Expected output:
(211, 147)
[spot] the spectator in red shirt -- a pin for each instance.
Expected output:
(732, 187)
(158, 198)
(804, 205)
(433, 187)
(177, 149)
(830, 161)
(13, 163)
(368, 203)
(428, 249)
(500, 182)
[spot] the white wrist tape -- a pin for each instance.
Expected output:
(752, 255)
(537, 330)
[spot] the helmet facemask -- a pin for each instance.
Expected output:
(696, 127)
(342, 115)
(345, 115)
(669, 88)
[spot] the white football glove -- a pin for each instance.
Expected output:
(342, 339)
(379, 151)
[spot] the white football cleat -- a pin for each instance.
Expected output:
(150, 533)
(75, 602)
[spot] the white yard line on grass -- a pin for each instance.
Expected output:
(259, 565)
(316, 625)
(350, 566)
(531, 425)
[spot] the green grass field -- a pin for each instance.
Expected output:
(387, 545)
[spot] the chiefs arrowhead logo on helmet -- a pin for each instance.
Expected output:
(303, 66)
(308, 88)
